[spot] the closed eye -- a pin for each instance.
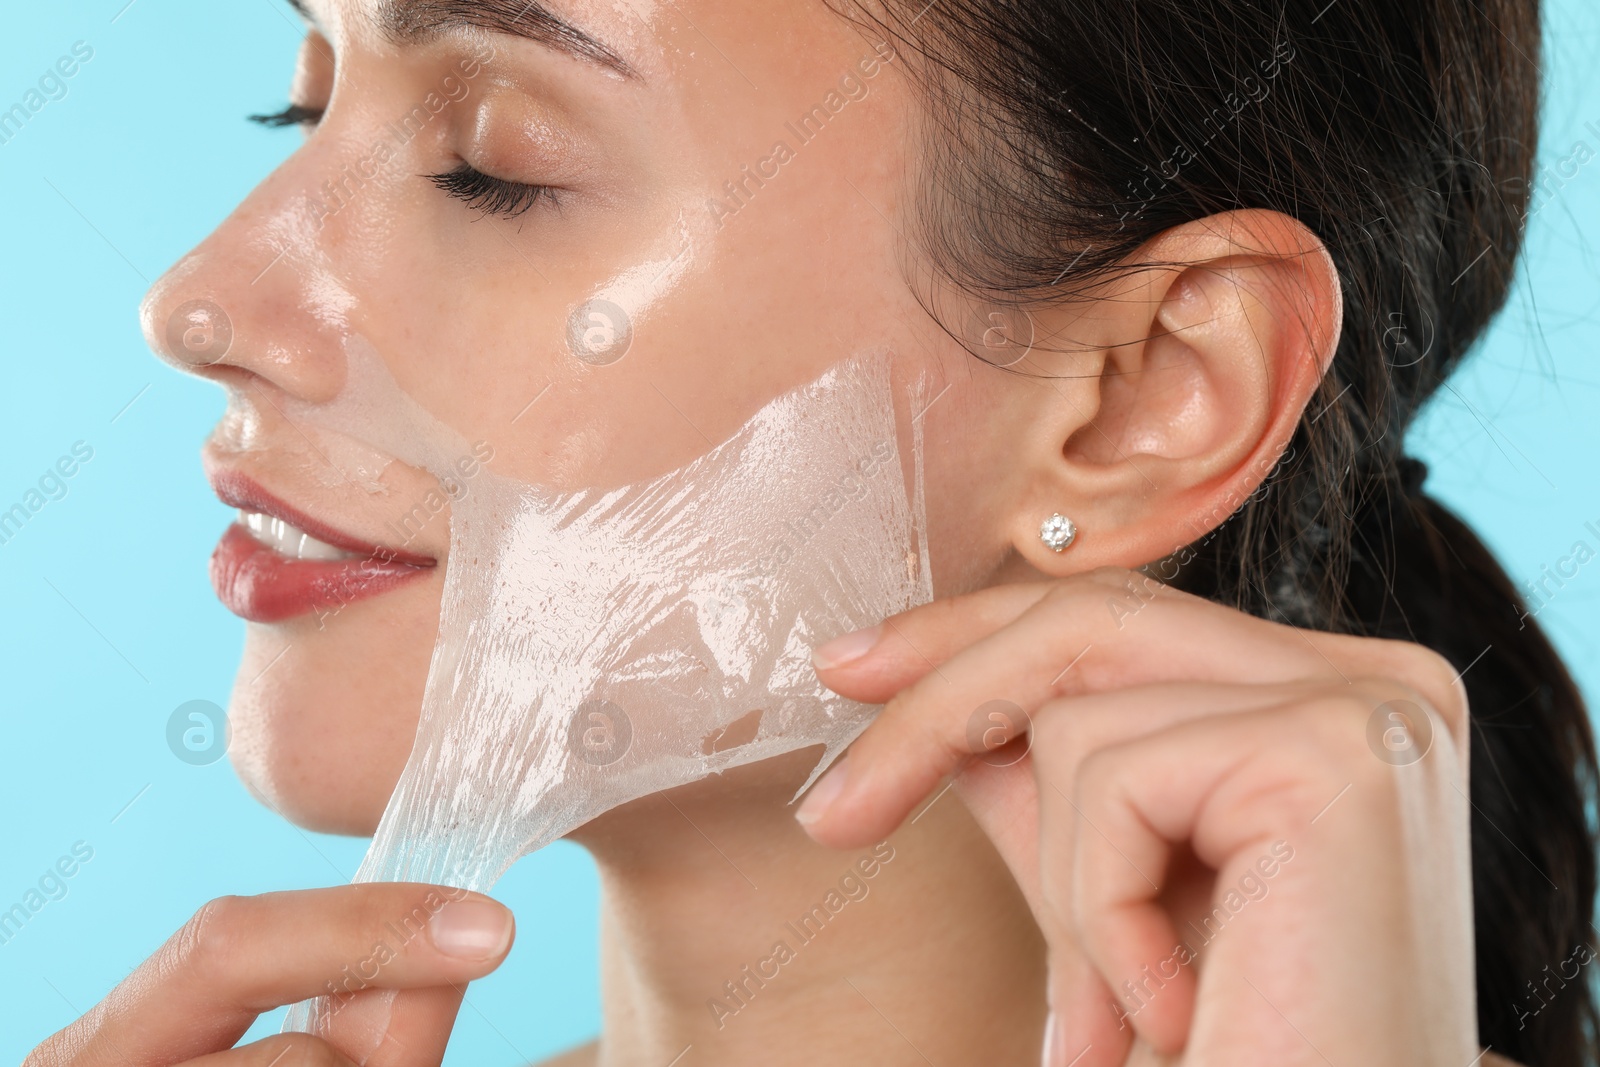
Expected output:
(490, 195)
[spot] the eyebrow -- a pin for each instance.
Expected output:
(412, 21)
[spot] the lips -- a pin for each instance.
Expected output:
(278, 563)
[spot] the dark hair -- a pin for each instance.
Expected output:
(1064, 134)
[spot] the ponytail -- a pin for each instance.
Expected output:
(1533, 772)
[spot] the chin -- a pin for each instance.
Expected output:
(322, 717)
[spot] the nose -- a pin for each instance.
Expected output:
(250, 304)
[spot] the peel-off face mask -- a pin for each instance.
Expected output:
(600, 645)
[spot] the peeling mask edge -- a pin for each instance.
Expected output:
(642, 637)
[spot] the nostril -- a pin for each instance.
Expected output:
(198, 333)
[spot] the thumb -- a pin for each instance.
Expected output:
(1004, 800)
(394, 1027)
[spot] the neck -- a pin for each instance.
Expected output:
(727, 931)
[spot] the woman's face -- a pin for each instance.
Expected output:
(733, 176)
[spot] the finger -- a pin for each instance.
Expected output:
(1083, 1037)
(279, 1050)
(1223, 784)
(1003, 797)
(394, 1027)
(241, 956)
(1071, 613)
(1023, 805)
(1373, 844)
(874, 664)
(1006, 789)
(1065, 733)
(1065, 643)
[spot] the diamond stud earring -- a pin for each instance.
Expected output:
(1057, 532)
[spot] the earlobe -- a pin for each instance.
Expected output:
(1233, 331)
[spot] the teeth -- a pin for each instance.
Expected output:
(289, 540)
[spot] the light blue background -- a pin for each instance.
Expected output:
(109, 621)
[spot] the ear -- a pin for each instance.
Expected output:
(1184, 385)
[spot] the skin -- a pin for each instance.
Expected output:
(1170, 743)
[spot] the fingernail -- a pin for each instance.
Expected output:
(846, 649)
(1051, 1056)
(471, 929)
(823, 794)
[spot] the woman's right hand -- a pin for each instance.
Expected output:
(397, 956)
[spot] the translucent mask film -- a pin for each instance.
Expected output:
(598, 646)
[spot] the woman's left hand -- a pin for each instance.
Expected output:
(1244, 842)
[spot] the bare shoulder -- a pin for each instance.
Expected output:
(585, 1056)
(1489, 1060)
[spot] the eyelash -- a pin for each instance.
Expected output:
(490, 195)
(293, 115)
(479, 191)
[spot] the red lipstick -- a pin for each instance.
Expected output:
(296, 565)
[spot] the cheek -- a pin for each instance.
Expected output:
(323, 733)
(973, 474)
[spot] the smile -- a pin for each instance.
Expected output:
(277, 563)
